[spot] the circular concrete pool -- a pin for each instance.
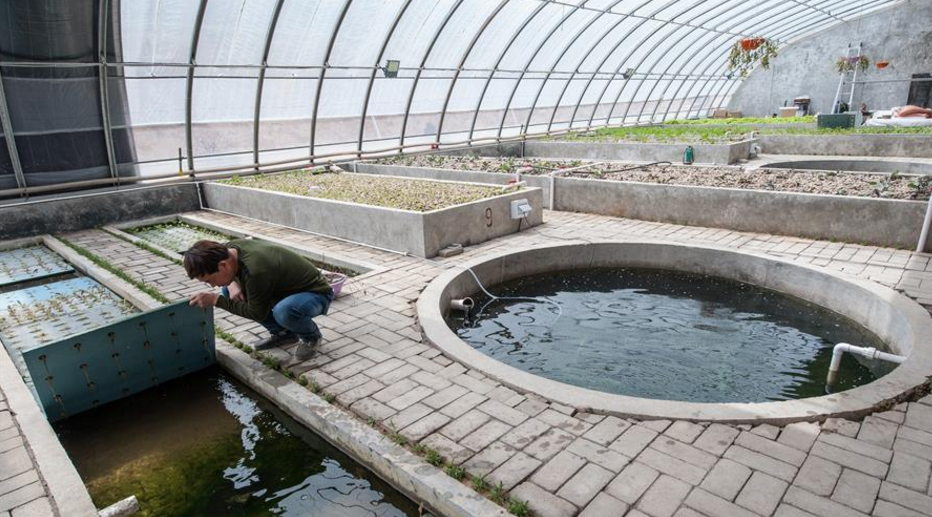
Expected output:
(618, 378)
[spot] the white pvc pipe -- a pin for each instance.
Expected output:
(868, 352)
(924, 234)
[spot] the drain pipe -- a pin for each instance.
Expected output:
(924, 235)
(870, 353)
(559, 172)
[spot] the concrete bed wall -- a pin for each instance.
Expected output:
(724, 154)
(494, 178)
(420, 233)
(880, 222)
(913, 146)
(90, 210)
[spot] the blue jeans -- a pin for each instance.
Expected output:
(294, 314)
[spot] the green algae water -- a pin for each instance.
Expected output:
(205, 445)
(667, 335)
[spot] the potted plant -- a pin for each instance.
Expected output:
(747, 53)
(848, 64)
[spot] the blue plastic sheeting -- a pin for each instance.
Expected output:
(125, 357)
(30, 263)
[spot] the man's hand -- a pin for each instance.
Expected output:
(236, 292)
(203, 300)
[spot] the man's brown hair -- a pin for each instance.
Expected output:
(203, 258)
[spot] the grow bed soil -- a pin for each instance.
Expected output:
(885, 186)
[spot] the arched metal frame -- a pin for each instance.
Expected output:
(691, 74)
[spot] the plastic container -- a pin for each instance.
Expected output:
(336, 281)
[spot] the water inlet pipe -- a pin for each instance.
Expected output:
(868, 352)
(924, 234)
(462, 304)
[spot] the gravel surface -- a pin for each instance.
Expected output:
(888, 186)
(401, 193)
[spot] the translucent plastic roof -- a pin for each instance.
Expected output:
(206, 84)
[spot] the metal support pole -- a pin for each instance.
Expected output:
(7, 126)
(265, 57)
(189, 84)
(102, 18)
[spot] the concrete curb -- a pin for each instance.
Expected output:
(402, 469)
(900, 322)
(915, 146)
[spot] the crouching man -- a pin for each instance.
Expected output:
(277, 287)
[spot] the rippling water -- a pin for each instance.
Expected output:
(206, 445)
(667, 335)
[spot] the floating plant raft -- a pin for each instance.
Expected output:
(83, 371)
(177, 236)
(30, 263)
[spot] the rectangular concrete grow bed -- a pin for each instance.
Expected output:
(907, 145)
(461, 213)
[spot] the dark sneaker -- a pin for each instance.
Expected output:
(274, 340)
(306, 349)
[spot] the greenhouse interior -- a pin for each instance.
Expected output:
(549, 258)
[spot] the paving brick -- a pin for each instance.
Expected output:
(384, 367)
(605, 505)
(856, 490)
(371, 408)
(878, 431)
(502, 412)
(11, 443)
(21, 496)
(395, 390)
(472, 384)
(684, 431)
(785, 510)
(909, 471)
(40, 507)
(762, 493)
(407, 417)
(564, 422)
(767, 431)
(887, 509)
(445, 396)
(451, 451)
(462, 426)
(849, 459)
(818, 475)
(714, 506)
(18, 481)
(549, 444)
(800, 435)
(858, 447)
(912, 448)
(757, 461)
(489, 459)
(501, 394)
(663, 497)
(425, 426)
(14, 462)
(684, 452)
(655, 425)
(434, 382)
(513, 471)
(595, 453)
(525, 433)
(607, 430)
(672, 466)
(819, 506)
(462, 405)
(771, 448)
(483, 436)
(347, 384)
(557, 471)
(632, 482)
(915, 501)
(716, 439)
(542, 503)
(914, 435)
(633, 441)
(841, 426)
(919, 416)
(585, 484)
(411, 397)
(897, 417)
(349, 397)
(726, 479)
(398, 374)
(532, 407)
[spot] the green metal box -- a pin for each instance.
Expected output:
(839, 120)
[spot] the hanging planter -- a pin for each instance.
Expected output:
(747, 53)
(749, 44)
(848, 64)
(881, 64)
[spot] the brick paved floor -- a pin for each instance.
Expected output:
(22, 490)
(568, 463)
